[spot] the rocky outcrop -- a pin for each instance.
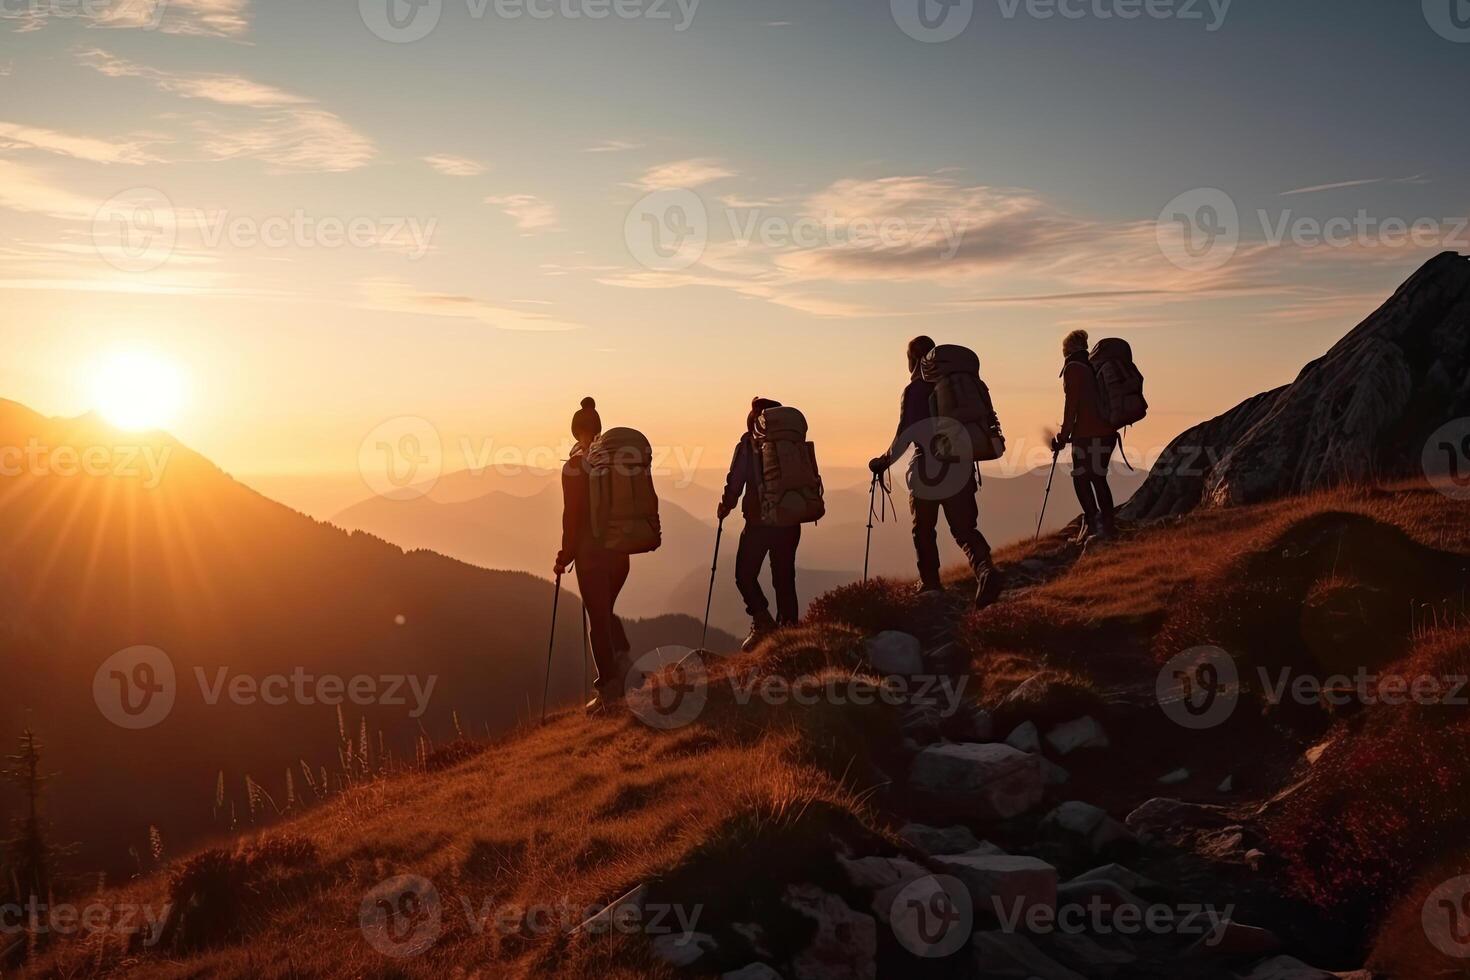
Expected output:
(1363, 410)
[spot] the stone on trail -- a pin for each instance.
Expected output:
(1098, 894)
(1053, 774)
(939, 840)
(1230, 938)
(1177, 776)
(892, 652)
(1003, 884)
(1083, 733)
(754, 971)
(1288, 968)
(1118, 875)
(1086, 825)
(1227, 784)
(874, 873)
(845, 945)
(1011, 955)
(986, 780)
(683, 948)
(1084, 954)
(1025, 738)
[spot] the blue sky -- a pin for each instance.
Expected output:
(1024, 165)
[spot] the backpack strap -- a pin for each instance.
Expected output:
(1122, 452)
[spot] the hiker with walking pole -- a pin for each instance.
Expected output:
(609, 511)
(946, 417)
(709, 598)
(1104, 393)
(775, 469)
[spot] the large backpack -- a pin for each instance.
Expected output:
(624, 504)
(960, 400)
(1119, 382)
(790, 485)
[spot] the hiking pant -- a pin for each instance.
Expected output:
(600, 577)
(962, 513)
(756, 542)
(1090, 459)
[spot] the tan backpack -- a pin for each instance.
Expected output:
(961, 401)
(791, 486)
(624, 504)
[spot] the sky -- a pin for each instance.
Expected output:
(455, 218)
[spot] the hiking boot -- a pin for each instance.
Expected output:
(988, 584)
(927, 588)
(760, 628)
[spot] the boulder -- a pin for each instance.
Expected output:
(1084, 954)
(969, 724)
(1053, 774)
(1003, 885)
(845, 944)
(1011, 955)
(1362, 412)
(1119, 875)
(874, 873)
(1025, 737)
(1287, 968)
(1231, 938)
(892, 652)
(683, 949)
(753, 971)
(1085, 826)
(939, 840)
(1100, 895)
(1175, 777)
(1083, 733)
(988, 780)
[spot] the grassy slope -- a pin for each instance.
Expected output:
(586, 808)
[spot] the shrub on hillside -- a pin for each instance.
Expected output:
(873, 606)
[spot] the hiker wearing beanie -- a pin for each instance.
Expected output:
(1092, 437)
(601, 573)
(759, 540)
(961, 509)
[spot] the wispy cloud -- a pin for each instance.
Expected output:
(684, 173)
(453, 166)
(394, 296)
(530, 213)
(286, 131)
(209, 18)
(26, 189)
(1340, 185)
(612, 146)
(80, 147)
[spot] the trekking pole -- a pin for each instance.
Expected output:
(550, 645)
(1039, 517)
(868, 549)
(584, 649)
(709, 599)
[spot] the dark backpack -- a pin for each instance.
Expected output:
(1119, 383)
(790, 485)
(624, 504)
(961, 401)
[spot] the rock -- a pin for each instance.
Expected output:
(1360, 413)
(683, 948)
(1118, 875)
(1098, 894)
(1003, 884)
(1226, 785)
(1175, 777)
(987, 780)
(969, 724)
(921, 723)
(1163, 813)
(1287, 968)
(1084, 733)
(1009, 954)
(1084, 954)
(1209, 831)
(939, 840)
(1233, 939)
(874, 873)
(754, 971)
(845, 944)
(983, 849)
(892, 652)
(1025, 738)
(1087, 826)
(1053, 774)
(755, 934)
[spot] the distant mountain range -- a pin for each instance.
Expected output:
(116, 541)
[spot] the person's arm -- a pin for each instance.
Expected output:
(1072, 381)
(902, 438)
(735, 480)
(574, 511)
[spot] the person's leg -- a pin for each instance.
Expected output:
(618, 565)
(962, 512)
(783, 573)
(749, 557)
(926, 539)
(1100, 486)
(594, 582)
(1082, 483)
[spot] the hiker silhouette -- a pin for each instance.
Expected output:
(1092, 436)
(941, 476)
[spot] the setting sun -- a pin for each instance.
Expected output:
(138, 390)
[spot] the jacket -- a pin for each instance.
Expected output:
(576, 508)
(1082, 416)
(744, 478)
